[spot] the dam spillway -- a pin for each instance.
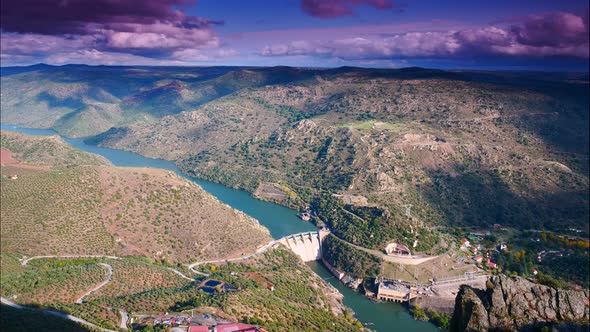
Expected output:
(307, 245)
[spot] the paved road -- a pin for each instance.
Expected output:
(258, 251)
(55, 313)
(414, 260)
(26, 261)
(124, 314)
(124, 319)
(182, 275)
(99, 286)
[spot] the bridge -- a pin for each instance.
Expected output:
(306, 245)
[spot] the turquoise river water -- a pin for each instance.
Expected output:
(279, 220)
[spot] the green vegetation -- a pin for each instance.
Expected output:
(346, 258)
(49, 151)
(100, 316)
(298, 299)
(49, 280)
(562, 259)
(53, 212)
(424, 148)
(134, 276)
(439, 319)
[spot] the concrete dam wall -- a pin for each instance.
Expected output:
(308, 245)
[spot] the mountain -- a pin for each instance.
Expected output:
(408, 151)
(516, 304)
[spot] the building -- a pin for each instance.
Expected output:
(397, 249)
(491, 264)
(237, 327)
(535, 272)
(478, 259)
(465, 243)
(198, 329)
(395, 291)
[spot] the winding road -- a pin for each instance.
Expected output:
(80, 300)
(258, 251)
(99, 286)
(26, 261)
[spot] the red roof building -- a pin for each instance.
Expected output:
(198, 329)
(478, 259)
(235, 328)
(491, 264)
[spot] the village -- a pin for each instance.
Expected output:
(481, 253)
(183, 322)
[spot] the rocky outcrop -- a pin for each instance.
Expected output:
(516, 304)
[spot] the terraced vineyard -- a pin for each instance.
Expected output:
(53, 212)
(48, 280)
(133, 276)
(66, 208)
(299, 298)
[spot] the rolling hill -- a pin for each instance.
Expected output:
(408, 151)
(57, 200)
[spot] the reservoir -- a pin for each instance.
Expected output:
(280, 221)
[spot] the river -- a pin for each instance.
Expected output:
(280, 221)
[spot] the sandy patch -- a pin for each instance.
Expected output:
(7, 159)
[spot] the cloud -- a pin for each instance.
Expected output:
(96, 57)
(552, 34)
(141, 27)
(83, 16)
(337, 8)
(192, 55)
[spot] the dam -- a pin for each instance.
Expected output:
(306, 245)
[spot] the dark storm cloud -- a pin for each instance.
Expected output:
(141, 27)
(83, 16)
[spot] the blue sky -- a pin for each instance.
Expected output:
(512, 35)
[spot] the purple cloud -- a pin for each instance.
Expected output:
(337, 8)
(554, 29)
(552, 34)
(137, 27)
(83, 17)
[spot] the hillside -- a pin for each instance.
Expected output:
(73, 203)
(516, 304)
(404, 149)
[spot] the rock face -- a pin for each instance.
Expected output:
(516, 304)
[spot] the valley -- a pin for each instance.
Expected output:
(416, 157)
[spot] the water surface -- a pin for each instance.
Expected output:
(381, 317)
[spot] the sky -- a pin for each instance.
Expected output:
(491, 35)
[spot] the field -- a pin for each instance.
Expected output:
(299, 300)
(135, 275)
(45, 281)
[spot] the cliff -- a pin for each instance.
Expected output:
(516, 304)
